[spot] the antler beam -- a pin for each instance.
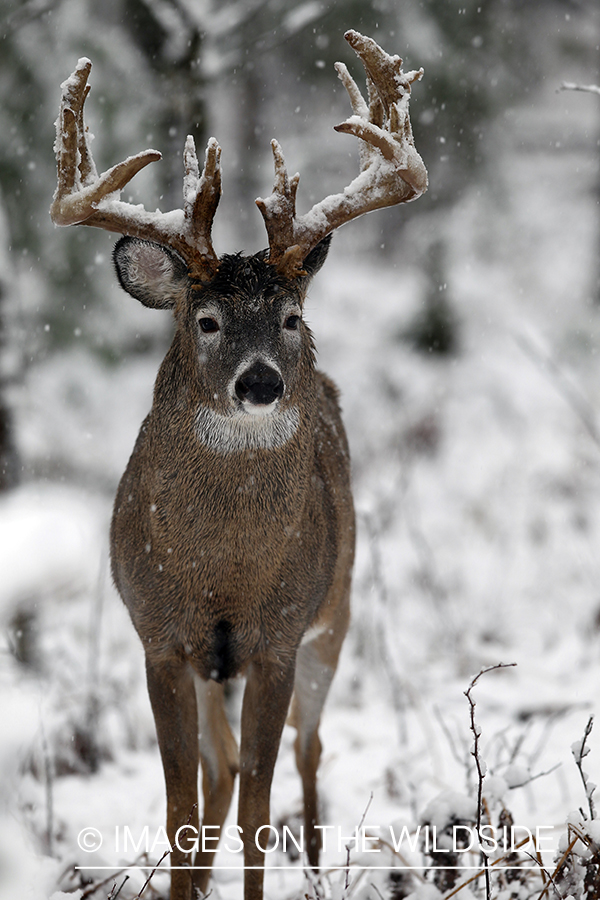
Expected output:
(83, 197)
(391, 170)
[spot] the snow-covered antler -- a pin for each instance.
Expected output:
(85, 198)
(391, 169)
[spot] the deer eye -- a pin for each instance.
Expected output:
(291, 323)
(207, 325)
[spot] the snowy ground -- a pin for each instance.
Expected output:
(477, 483)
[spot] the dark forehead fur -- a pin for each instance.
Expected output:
(248, 277)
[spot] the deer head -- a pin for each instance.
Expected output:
(244, 332)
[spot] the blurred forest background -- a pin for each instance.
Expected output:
(463, 331)
(246, 71)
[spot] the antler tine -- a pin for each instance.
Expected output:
(83, 197)
(71, 136)
(391, 170)
(80, 189)
(279, 213)
(201, 195)
(356, 98)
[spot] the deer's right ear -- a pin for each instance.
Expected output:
(317, 256)
(153, 274)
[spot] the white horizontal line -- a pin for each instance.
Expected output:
(496, 868)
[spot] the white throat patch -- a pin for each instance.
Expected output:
(239, 431)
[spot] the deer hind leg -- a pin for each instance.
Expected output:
(220, 764)
(315, 667)
(269, 686)
(171, 690)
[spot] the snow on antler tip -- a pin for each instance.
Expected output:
(352, 35)
(77, 78)
(364, 45)
(277, 151)
(412, 76)
(213, 150)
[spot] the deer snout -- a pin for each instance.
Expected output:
(260, 385)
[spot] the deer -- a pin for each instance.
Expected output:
(233, 531)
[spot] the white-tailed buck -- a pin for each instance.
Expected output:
(232, 537)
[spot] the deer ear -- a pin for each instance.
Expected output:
(153, 274)
(317, 256)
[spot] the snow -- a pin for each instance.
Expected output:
(54, 532)
(302, 16)
(447, 807)
(477, 482)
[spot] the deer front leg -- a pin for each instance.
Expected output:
(173, 699)
(266, 702)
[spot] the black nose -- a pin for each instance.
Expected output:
(259, 384)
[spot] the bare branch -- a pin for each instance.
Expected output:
(588, 88)
(153, 873)
(576, 400)
(475, 730)
(580, 751)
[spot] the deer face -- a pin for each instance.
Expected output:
(251, 353)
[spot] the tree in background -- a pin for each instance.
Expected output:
(480, 59)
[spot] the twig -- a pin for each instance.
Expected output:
(531, 778)
(373, 534)
(377, 891)
(580, 755)
(476, 735)
(96, 887)
(449, 736)
(519, 743)
(543, 870)
(397, 688)
(558, 866)
(588, 88)
(29, 12)
(49, 784)
(151, 875)
(113, 896)
(360, 824)
(482, 871)
(549, 724)
(576, 400)
(475, 730)
(93, 666)
(432, 579)
(383, 843)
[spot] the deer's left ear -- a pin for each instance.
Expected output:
(317, 256)
(153, 274)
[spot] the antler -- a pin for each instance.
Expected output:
(391, 170)
(85, 198)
